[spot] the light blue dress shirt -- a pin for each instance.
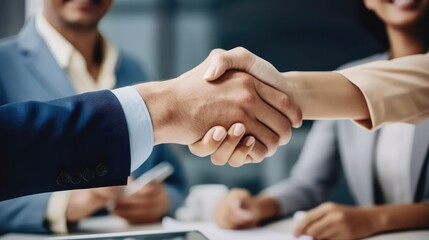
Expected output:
(140, 129)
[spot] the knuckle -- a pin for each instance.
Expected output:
(273, 142)
(246, 80)
(259, 154)
(220, 57)
(339, 216)
(236, 191)
(248, 99)
(329, 205)
(240, 116)
(299, 115)
(285, 132)
(242, 51)
(216, 51)
(285, 103)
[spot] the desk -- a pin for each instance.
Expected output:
(116, 224)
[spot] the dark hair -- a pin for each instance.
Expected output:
(372, 24)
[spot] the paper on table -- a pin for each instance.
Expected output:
(214, 233)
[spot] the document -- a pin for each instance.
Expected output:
(213, 232)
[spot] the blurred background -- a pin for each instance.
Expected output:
(169, 37)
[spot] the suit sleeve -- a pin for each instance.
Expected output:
(315, 173)
(395, 90)
(71, 143)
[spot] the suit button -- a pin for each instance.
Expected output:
(63, 179)
(101, 169)
(88, 174)
(76, 177)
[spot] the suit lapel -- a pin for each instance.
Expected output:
(418, 154)
(366, 169)
(357, 153)
(41, 63)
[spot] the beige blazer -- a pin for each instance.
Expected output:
(395, 90)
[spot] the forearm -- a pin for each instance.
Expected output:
(399, 217)
(325, 95)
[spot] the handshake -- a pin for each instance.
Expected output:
(230, 89)
(241, 92)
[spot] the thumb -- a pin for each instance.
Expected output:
(219, 63)
(243, 60)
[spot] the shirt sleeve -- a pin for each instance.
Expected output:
(56, 212)
(139, 123)
(395, 90)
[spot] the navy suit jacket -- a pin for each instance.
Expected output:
(75, 142)
(28, 71)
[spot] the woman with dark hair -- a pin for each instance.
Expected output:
(399, 26)
(386, 170)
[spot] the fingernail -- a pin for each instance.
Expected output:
(297, 125)
(250, 141)
(218, 134)
(210, 72)
(247, 162)
(238, 130)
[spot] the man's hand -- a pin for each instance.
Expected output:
(241, 59)
(148, 205)
(240, 210)
(83, 203)
(185, 108)
(334, 221)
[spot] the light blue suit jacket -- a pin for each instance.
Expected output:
(28, 71)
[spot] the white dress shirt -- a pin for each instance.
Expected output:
(393, 162)
(137, 116)
(73, 62)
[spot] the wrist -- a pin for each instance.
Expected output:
(291, 85)
(161, 100)
(378, 219)
(267, 206)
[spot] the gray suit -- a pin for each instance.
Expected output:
(334, 144)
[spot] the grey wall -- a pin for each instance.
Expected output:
(12, 14)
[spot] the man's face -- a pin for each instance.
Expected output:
(80, 14)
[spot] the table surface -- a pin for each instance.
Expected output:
(115, 224)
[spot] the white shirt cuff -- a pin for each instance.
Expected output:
(140, 129)
(56, 212)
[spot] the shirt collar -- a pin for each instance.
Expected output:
(60, 48)
(63, 52)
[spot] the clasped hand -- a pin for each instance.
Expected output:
(274, 112)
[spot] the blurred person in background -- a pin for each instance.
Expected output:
(386, 170)
(60, 53)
